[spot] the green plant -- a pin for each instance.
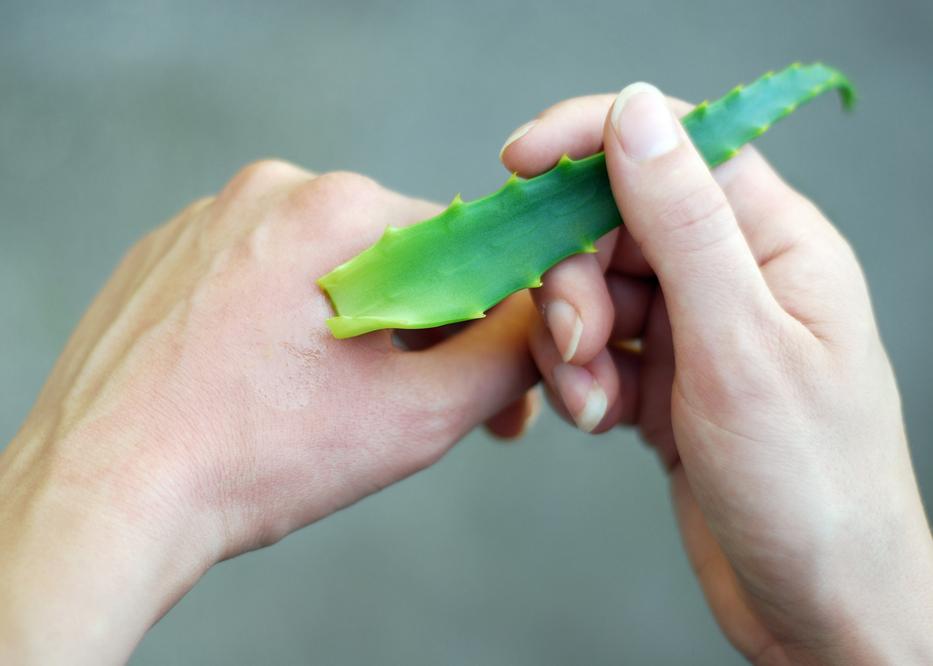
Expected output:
(455, 266)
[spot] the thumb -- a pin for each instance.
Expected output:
(479, 371)
(681, 219)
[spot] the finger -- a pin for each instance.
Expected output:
(576, 307)
(628, 370)
(807, 264)
(589, 394)
(630, 298)
(557, 404)
(627, 257)
(515, 420)
(772, 215)
(657, 377)
(573, 127)
(475, 374)
(681, 218)
(715, 574)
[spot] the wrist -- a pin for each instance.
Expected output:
(91, 554)
(891, 622)
(881, 608)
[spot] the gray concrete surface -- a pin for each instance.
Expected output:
(559, 550)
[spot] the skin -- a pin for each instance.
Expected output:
(202, 409)
(759, 378)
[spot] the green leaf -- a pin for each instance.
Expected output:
(455, 266)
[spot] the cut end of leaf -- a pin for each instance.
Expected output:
(350, 327)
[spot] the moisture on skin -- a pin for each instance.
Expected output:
(458, 264)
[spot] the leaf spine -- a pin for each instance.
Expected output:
(735, 93)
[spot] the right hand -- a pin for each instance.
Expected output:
(761, 382)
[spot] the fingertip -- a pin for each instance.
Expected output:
(530, 154)
(590, 392)
(563, 320)
(585, 399)
(572, 127)
(587, 396)
(516, 419)
(576, 308)
(517, 134)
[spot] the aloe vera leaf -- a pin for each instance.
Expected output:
(456, 265)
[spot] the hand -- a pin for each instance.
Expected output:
(202, 409)
(760, 380)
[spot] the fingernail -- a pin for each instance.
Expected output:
(582, 395)
(565, 325)
(644, 123)
(516, 135)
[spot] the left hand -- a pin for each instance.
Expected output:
(202, 409)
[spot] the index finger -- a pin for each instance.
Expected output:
(762, 201)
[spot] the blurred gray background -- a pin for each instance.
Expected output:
(557, 550)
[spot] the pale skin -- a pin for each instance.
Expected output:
(761, 382)
(201, 409)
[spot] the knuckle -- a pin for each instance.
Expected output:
(142, 251)
(328, 197)
(195, 208)
(256, 178)
(343, 185)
